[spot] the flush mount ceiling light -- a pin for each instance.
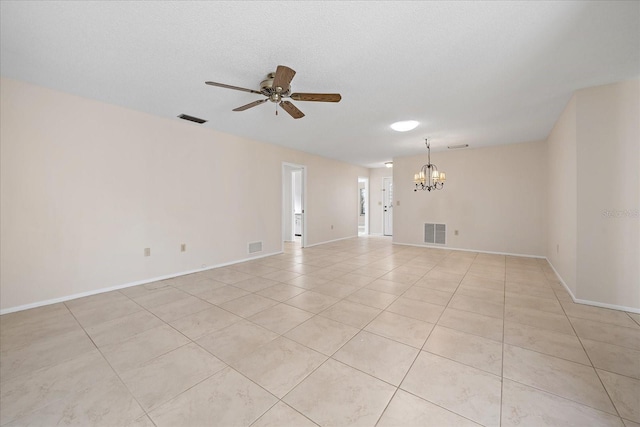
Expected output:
(429, 178)
(388, 164)
(404, 126)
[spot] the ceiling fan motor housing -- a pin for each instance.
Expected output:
(267, 89)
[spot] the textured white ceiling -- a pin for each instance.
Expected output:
(481, 73)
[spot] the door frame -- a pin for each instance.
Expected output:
(303, 195)
(366, 201)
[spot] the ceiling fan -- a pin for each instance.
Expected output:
(276, 87)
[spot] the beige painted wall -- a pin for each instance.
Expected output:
(375, 198)
(562, 196)
(608, 194)
(594, 195)
(86, 186)
(495, 197)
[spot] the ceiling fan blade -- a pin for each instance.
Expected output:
(320, 97)
(250, 105)
(291, 109)
(232, 87)
(283, 77)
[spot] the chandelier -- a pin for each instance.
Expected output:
(429, 178)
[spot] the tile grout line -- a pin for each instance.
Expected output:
(339, 348)
(502, 377)
(418, 355)
(592, 365)
(145, 413)
(359, 254)
(227, 365)
(282, 335)
(190, 342)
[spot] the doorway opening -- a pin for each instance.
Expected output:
(363, 206)
(293, 205)
(387, 204)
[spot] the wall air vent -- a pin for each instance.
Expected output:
(191, 119)
(435, 234)
(455, 147)
(255, 247)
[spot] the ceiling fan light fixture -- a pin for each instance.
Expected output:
(404, 126)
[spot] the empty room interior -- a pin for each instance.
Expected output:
(358, 213)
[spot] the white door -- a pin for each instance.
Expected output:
(387, 203)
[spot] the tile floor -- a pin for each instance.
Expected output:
(356, 333)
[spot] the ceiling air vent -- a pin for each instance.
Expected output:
(456, 147)
(191, 119)
(435, 234)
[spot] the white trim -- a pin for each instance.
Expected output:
(303, 239)
(561, 280)
(605, 305)
(303, 168)
(469, 250)
(367, 208)
(384, 194)
(334, 240)
(126, 285)
(589, 302)
(576, 300)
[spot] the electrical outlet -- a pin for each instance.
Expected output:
(332, 227)
(557, 248)
(147, 251)
(455, 232)
(183, 247)
(397, 202)
(379, 203)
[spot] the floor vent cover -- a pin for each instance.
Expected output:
(255, 247)
(435, 234)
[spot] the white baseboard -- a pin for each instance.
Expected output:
(589, 302)
(126, 285)
(573, 297)
(331, 241)
(469, 250)
(605, 305)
